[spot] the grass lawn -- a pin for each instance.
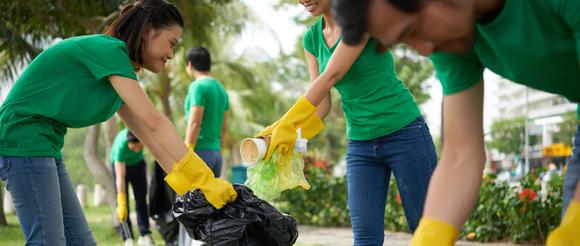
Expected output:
(99, 221)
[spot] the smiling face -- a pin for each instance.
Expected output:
(159, 48)
(316, 7)
(441, 25)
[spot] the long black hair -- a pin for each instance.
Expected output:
(136, 18)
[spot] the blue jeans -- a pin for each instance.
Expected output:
(573, 172)
(136, 175)
(409, 154)
(213, 159)
(45, 200)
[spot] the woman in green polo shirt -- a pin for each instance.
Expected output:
(386, 131)
(83, 81)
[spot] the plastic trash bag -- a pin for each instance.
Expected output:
(247, 221)
(269, 178)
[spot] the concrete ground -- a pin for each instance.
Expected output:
(309, 235)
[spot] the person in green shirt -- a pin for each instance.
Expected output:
(81, 81)
(206, 110)
(532, 42)
(386, 131)
(129, 167)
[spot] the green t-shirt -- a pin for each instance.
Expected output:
(532, 42)
(374, 100)
(120, 150)
(65, 86)
(210, 94)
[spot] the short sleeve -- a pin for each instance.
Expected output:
(457, 72)
(309, 40)
(105, 56)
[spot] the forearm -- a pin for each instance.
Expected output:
(324, 107)
(160, 138)
(120, 183)
(454, 188)
(224, 138)
(320, 88)
(192, 133)
(120, 177)
(455, 184)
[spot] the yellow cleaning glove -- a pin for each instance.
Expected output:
(302, 115)
(567, 234)
(192, 173)
(434, 232)
(122, 211)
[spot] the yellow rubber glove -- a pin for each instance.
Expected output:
(434, 232)
(302, 115)
(191, 146)
(567, 233)
(122, 212)
(192, 173)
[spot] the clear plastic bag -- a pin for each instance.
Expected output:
(269, 178)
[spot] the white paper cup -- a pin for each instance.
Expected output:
(253, 150)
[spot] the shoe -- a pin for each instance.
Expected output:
(145, 240)
(129, 242)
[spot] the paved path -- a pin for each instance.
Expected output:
(310, 235)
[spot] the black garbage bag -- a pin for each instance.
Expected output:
(247, 221)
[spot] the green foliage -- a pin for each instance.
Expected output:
(567, 128)
(501, 212)
(326, 203)
(508, 135)
(27, 26)
(413, 70)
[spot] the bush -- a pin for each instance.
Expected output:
(517, 212)
(326, 203)
(503, 212)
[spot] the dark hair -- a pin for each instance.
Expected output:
(136, 18)
(352, 16)
(131, 138)
(199, 58)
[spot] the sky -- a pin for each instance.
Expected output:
(277, 30)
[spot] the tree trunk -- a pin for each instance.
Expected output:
(110, 134)
(165, 93)
(3, 221)
(99, 169)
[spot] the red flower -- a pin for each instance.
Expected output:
(398, 198)
(527, 195)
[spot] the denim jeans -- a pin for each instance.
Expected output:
(573, 172)
(213, 159)
(136, 175)
(45, 201)
(409, 154)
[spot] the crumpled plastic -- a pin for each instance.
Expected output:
(247, 221)
(269, 178)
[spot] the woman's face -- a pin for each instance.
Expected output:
(316, 7)
(159, 48)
